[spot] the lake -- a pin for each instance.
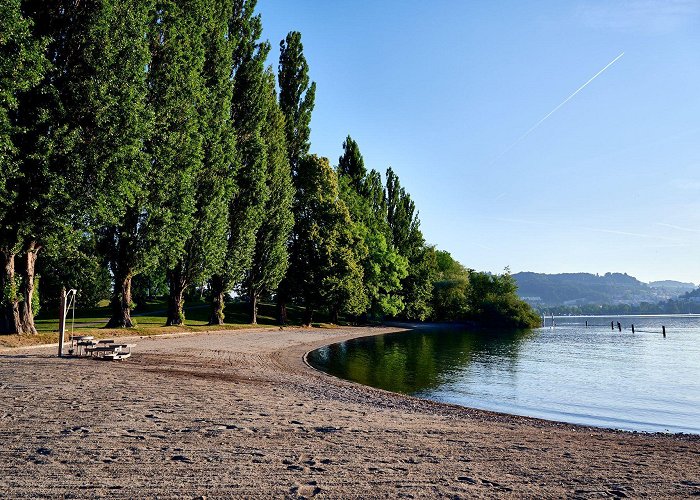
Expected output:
(587, 375)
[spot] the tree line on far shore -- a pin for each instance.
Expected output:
(146, 145)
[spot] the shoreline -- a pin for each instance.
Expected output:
(441, 326)
(204, 407)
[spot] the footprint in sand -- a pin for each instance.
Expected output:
(308, 490)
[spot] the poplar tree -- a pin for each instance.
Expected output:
(246, 206)
(351, 165)
(296, 98)
(407, 238)
(159, 212)
(49, 189)
(205, 247)
(22, 67)
(114, 121)
(297, 95)
(271, 259)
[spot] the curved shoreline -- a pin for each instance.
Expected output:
(240, 413)
(405, 327)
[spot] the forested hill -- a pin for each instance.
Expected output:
(584, 288)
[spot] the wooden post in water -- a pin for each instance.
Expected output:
(612, 326)
(663, 330)
(632, 328)
(586, 323)
(619, 327)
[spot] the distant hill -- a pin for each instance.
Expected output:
(673, 285)
(576, 289)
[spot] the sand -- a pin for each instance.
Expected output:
(240, 414)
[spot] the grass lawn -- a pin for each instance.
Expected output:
(149, 321)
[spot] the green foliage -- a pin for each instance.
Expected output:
(402, 218)
(270, 258)
(384, 270)
(324, 270)
(22, 66)
(383, 267)
(249, 108)
(494, 302)
(111, 112)
(351, 165)
(417, 287)
(82, 269)
(176, 93)
(451, 288)
(205, 245)
(297, 97)
(10, 289)
(408, 241)
(147, 136)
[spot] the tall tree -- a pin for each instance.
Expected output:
(205, 247)
(246, 206)
(46, 211)
(270, 259)
(297, 97)
(384, 268)
(408, 240)
(160, 207)
(323, 268)
(351, 165)
(22, 67)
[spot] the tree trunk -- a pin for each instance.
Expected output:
(28, 274)
(334, 315)
(308, 315)
(281, 310)
(217, 304)
(176, 299)
(121, 303)
(9, 301)
(253, 308)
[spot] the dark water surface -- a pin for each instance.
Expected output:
(571, 373)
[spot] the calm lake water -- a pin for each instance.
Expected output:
(571, 373)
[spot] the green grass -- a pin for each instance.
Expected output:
(150, 320)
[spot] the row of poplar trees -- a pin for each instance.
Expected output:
(153, 131)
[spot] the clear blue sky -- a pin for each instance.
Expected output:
(441, 90)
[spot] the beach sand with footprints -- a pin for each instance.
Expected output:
(240, 414)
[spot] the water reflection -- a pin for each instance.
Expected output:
(418, 360)
(591, 375)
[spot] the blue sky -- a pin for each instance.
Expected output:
(441, 90)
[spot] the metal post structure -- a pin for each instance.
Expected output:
(62, 322)
(62, 316)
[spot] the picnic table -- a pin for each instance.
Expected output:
(79, 343)
(108, 349)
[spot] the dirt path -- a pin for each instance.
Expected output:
(239, 414)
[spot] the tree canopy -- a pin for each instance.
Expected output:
(145, 149)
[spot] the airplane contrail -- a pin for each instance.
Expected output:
(559, 106)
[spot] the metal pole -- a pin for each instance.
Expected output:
(62, 322)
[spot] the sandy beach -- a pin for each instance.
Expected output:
(240, 414)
